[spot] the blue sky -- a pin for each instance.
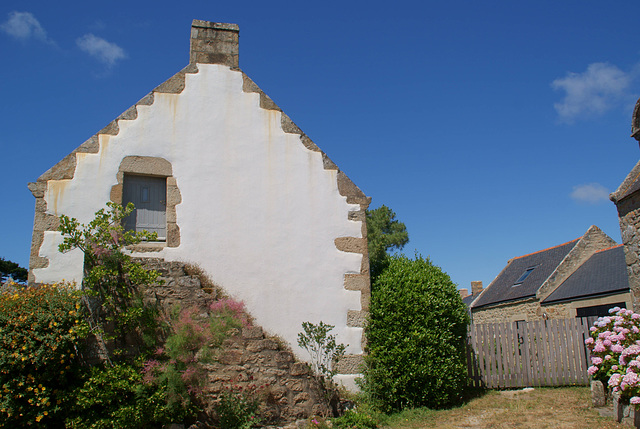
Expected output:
(492, 129)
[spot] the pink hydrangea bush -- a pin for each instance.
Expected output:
(615, 352)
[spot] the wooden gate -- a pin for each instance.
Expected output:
(521, 354)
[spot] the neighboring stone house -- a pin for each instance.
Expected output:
(230, 183)
(468, 298)
(584, 277)
(627, 201)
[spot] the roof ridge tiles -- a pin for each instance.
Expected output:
(547, 249)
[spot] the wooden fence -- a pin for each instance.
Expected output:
(521, 354)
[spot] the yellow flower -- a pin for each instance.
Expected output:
(38, 418)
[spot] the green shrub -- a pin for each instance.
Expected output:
(323, 349)
(416, 338)
(117, 397)
(353, 419)
(38, 353)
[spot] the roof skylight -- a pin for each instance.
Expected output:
(524, 275)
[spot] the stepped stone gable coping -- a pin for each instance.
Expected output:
(215, 43)
(592, 241)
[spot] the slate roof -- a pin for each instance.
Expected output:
(604, 273)
(467, 300)
(503, 288)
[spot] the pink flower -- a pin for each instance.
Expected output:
(635, 316)
(614, 380)
(634, 400)
(617, 348)
(592, 370)
(631, 378)
(596, 360)
(589, 341)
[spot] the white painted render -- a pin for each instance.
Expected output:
(259, 212)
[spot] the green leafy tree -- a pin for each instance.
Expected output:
(112, 282)
(416, 337)
(13, 270)
(384, 233)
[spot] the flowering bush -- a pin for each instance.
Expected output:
(615, 352)
(39, 329)
(194, 335)
(237, 407)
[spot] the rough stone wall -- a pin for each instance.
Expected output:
(611, 299)
(527, 310)
(247, 357)
(530, 310)
(629, 217)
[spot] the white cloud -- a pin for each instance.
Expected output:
(24, 26)
(592, 193)
(99, 48)
(592, 92)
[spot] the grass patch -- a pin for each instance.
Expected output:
(563, 407)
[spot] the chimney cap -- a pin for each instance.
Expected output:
(214, 43)
(198, 23)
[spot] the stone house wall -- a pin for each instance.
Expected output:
(629, 218)
(627, 201)
(251, 199)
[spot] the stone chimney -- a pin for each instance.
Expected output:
(463, 293)
(476, 288)
(214, 43)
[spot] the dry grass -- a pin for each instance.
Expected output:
(566, 408)
(205, 282)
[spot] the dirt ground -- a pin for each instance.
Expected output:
(564, 408)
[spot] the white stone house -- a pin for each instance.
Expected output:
(229, 182)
